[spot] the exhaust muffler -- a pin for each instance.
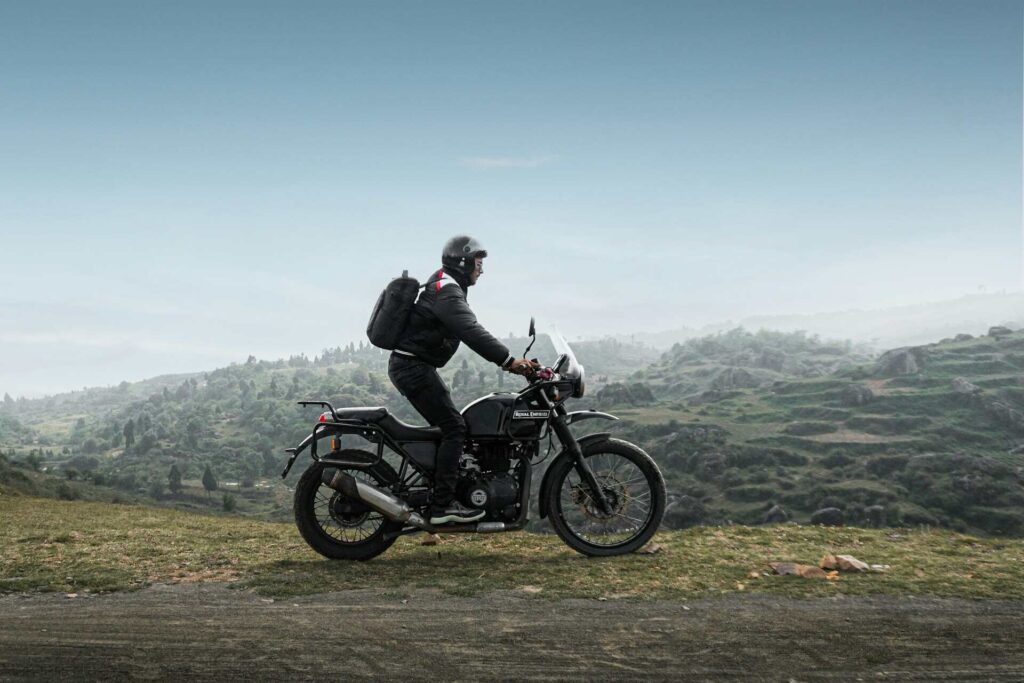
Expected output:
(381, 501)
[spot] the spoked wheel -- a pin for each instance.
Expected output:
(633, 486)
(339, 527)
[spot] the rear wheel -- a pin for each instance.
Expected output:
(336, 526)
(633, 486)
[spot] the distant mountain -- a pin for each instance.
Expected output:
(883, 328)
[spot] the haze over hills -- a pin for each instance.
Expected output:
(883, 328)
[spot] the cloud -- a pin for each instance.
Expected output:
(491, 163)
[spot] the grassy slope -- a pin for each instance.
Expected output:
(76, 546)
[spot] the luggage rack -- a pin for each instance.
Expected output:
(371, 432)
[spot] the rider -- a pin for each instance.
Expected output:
(441, 319)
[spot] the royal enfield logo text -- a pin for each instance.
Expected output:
(530, 414)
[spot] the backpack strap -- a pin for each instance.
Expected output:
(443, 280)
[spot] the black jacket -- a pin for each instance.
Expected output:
(441, 318)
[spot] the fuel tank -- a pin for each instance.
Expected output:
(504, 415)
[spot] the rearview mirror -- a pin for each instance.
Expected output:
(533, 334)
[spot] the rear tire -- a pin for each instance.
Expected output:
(565, 502)
(332, 524)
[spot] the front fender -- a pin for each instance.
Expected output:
(547, 482)
(578, 415)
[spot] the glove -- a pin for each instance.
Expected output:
(521, 366)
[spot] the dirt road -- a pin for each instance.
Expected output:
(210, 632)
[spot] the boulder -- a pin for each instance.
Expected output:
(775, 515)
(734, 378)
(963, 337)
(856, 395)
(846, 563)
(1006, 414)
(962, 386)
(828, 517)
(903, 361)
(999, 331)
(876, 516)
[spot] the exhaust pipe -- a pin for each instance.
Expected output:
(381, 501)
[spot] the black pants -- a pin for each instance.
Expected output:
(420, 383)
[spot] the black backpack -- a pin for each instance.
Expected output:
(391, 312)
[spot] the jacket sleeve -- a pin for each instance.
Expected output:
(453, 310)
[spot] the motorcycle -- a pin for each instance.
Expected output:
(603, 496)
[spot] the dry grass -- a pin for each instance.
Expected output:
(48, 545)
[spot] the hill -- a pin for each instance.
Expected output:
(927, 435)
(747, 427)
(238, 420)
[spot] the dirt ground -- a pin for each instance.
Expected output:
(211, 632)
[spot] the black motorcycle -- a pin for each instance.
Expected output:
(604, 496)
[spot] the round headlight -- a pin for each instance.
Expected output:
(580, 385)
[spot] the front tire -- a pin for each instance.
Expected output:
(335, 526)
(633, 486)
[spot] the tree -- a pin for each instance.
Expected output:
(209, 481)
(174, 479)
(229, 503)
(129, 434)
(482, 375)
(156, 489)
(8, 401)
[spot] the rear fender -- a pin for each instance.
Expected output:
(548, 481)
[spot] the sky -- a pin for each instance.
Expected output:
(184, 184)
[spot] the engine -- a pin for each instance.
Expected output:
(488, 481)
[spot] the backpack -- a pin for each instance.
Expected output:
(391, 313)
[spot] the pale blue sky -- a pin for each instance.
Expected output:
(182, 184)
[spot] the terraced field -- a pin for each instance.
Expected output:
(930, 435)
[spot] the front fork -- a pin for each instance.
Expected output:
(565, 435)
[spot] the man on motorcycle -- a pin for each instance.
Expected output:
(440, 320)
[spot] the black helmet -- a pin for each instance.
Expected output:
(459, 252)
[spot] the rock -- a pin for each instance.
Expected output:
(856, 395)
(999, 331)
(962, 386)
(828, 517)
(734, 378)
(650, 549)
(902, 361)
(431, 539)
(846, 563)
(876, 516)
(634, 394)
(1006, 414)
(775, 515)
(963, 337)
(802, 570)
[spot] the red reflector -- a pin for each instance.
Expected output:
(323, 417)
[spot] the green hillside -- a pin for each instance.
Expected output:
(927, 435)
(747, 427)
(238, 420)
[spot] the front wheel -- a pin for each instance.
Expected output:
(633, 486)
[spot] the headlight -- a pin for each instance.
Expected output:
(580, 386)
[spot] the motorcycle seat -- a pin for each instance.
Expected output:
(399, 431)
(365, 414)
